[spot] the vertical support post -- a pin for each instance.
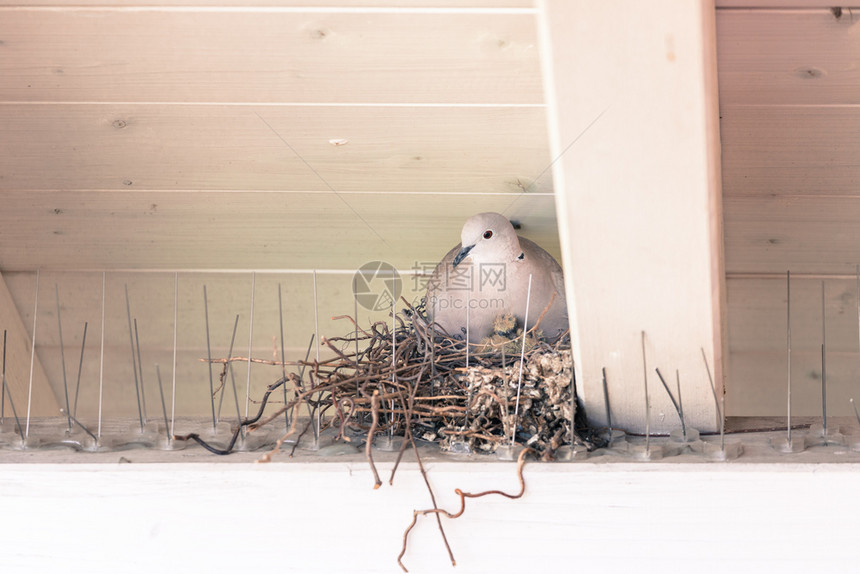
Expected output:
(634, 132)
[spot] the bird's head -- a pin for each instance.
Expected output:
(488, 238)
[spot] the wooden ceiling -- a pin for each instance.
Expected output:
(204, 136)
(790, 113)
(269, 136)
(273, 135)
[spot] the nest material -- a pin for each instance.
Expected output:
(425, 385)
(545, 410)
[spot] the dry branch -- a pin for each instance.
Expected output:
(521, 461)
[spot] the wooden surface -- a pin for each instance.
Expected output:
(789, 119)
(758, 356)
(641, 240)
(804, 234)
(791, 151)
(123, 124)
(751, 5)
(42, 401)
(111, 55)
(647, 518)
(161, 147)
(210, 230)
(151, 303)
(787, 57)
(360, 6)
(253, 135)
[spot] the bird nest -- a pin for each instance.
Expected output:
(411, 381)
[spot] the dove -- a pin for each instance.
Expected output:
(488, 274)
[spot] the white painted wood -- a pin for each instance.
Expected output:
(805, 234)
(639, 199)
(249, 55)
(188, 230)
(354, 6)
(164, 147)
(262, 232)
(793, 150)
(327, 518)
(789, 118)
(757, 335)
(792, 57)
(776, 4)
(18, 352)
(758, 383)
(151, 303)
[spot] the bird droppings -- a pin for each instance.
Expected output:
(338, 141)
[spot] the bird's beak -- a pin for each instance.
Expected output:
(462, 254)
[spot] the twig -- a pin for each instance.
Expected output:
(463, 496)
(368, 447)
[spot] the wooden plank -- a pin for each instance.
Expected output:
(200, 230)
(803, 234)
(801, 57)
(327, 5)
(757, 314)
(724, 5)
(18, 353)
(639, 199)
(758, 356)
(151, 303)
(790, 150)
(166, 506)
(414, 245)
(268, 56)
(758, 383)
(119, 147)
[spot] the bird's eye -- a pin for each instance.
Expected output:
(488, 234)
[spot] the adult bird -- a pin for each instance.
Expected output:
(488, 274)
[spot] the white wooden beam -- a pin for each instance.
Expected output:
(633, 116)
(242, 517)
(18, 350)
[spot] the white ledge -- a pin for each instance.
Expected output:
(229, 514)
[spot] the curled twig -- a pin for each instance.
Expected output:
(244, 423)
(521, 461)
